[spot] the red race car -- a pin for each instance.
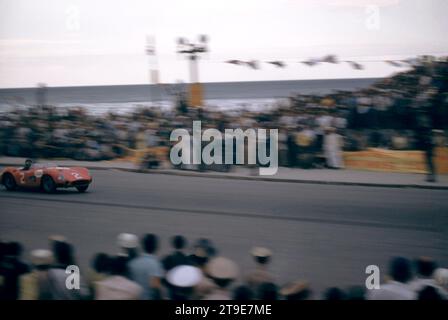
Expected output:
(46, 177)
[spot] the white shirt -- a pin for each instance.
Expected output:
(392, 290)
(332, 142)
(324, 121)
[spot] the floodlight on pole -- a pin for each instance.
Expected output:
(192, 51)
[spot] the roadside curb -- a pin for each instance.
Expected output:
(283, 180)
(262, 178)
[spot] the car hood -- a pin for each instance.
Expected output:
(70, 173)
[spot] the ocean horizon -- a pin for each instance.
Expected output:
(221, 95)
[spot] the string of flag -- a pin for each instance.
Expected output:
(330, 58)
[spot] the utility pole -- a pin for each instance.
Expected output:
(192, 51)
(41, 95)
(153, 66)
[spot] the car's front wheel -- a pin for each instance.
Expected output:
(82, 188)
(48, 184)
(9, 182)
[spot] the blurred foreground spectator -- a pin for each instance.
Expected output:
(425, 269)
(146, 269)
(223, 272)
(178, 257)
(260, 275)
(398, 287)
(206, 277)
(35, 285)
(11, 268)
(117, 286)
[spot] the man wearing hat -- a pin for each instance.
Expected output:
(35, 285)
(56, 238)
(200, 257)
(128, 243)
(182, 280)
(260, 274)
(117, 286)
(222, 271)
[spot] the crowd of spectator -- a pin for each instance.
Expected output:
(197, 272)
(389, 114)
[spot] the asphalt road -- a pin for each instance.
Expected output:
(325, 234)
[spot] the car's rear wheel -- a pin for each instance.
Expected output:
(82, 188)
(48, 184)
(9, 182)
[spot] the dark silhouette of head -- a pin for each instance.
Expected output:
(118, 266)
(268, 291)
(429, 293)
(150, 243)
(356, 293)
(400, 269)
(334, 294)
(425, 266)
(28, 164)
(100, 263)
(178, 242)
(13, 249)
(242, 293)
(63, 253)
(207, 245)
(262, 260)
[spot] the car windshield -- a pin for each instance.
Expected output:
(43, 165)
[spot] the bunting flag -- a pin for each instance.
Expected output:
(279, 64)
(393, 63)
(310, 63)
(235, 62)
(253, 64)
(332, 59)
(355, 65)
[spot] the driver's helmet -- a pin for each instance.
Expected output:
(28, 163)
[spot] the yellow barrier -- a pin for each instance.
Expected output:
(195, 95)
(395, 161)
(137, 155)
(370, 159)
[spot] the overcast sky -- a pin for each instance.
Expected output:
(86, 42)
